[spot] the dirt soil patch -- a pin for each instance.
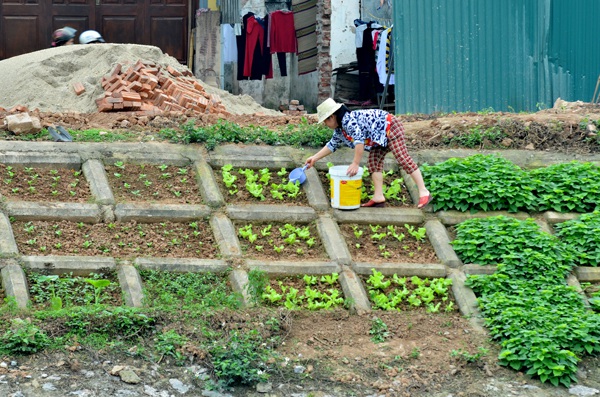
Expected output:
(150, 183)
(43, 184)
(388, 243)
(119, 240)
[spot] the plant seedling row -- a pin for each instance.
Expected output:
(153, 183)
(280, 241)
(119, 240)
(19, 183)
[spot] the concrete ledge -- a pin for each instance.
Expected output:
(573, 282)
(73, 212)
(556, 217)
(131, 285)
(455, 217)
(47, 160)
(402, 269)
(587, 273)
(544, 226)
(96, 176)
(239, 282)
(466, 300)
(8, 245)
(315, 192)
(78, 265)
(413, 191)
(152, 213)
(296, 268)
(250, 156)
(438, 236)
(156, 158)
(209, 189)
(479, 269)
(14, 284)
(354, 292)
(271, 213)
(333, 241)
(386, 216)
(226, 236)
(182, 265)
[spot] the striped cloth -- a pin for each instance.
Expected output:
(305, 22)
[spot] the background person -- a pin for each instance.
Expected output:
(63, 36)
(91, 37)
(375, 131)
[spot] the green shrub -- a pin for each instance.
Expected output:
(23, 337)
(240, 359)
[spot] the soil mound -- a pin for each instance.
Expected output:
(44, 79)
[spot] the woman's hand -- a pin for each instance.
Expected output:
(310, 162)
(352, 169)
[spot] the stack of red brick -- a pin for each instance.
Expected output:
(146, 86)
(292, 108)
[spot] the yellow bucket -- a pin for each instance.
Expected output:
(345, 190)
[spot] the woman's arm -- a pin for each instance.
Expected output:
(358, 152)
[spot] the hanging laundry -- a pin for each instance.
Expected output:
(282, 37)
(382, 53)
(229, 43)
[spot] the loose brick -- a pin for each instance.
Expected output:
(79, 88)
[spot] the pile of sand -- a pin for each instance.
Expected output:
(44, 79)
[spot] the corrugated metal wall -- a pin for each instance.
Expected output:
(511, 55)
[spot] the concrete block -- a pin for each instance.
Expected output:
(478, 269)
(147, 156)
(8, 245)
(131, 285)
(182, 265)
(466, 300)
(573, 282)
(381, 216)
(14, 284)
(23, 123)
(354, 292)
(47, 160)
(239, 282)
(315, 191)
(296, 268)
(151, 213)
(450, 218)
(78, 265)
(73, 212)
(333, 241)
(438, 236)
(255, 157)
(96, 176)
(226, 236)
(431, 270)
(587, 274)
(271, 213)
(207, 184)
(556, 217)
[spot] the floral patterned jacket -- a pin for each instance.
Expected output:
(365, 126)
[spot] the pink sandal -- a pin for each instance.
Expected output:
(423, 201)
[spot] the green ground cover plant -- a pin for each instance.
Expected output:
(302, 134)
(583, 236)
(541, 323)
(198, 292)
(310, 292)
(490, 183)
(405, 293)
(55, 292)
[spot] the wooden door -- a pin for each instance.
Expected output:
(168, 27)
(121, 21)
(27, 25)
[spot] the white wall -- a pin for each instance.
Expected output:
(343, 14)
